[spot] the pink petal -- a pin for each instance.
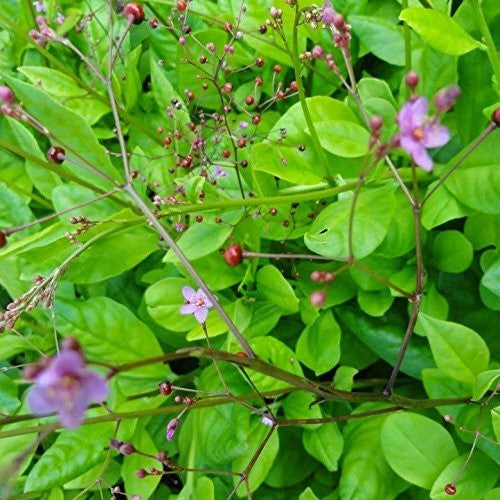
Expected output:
(419, 111)
(39, 401)
(95, 387)
(404, 119)
(71, 412)
(436, 136)
(188, 292)
(422, 159)
(188, 309)
(201, 314)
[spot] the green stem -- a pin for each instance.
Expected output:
(407, 41)
(490, 44)
(302, 96)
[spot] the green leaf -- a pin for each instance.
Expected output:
(213, 237)
(308, 494)
(484, 382)
(325, 444)
(275, 288)
(344, 378)
(375, 303)
(441, 207)
(491, 278)
(52, 81)
(70, 128)
(145, 486)
(381, 36)
(476, 183)
(72, 454)
(108, 331)
(328, 234)
(291, 457)
(343, 138)
(365, 472)
(478, 478)
(318, 346)
(452, 251)
(300, 405)
(440, 31)
(416, 447)
(458, 351)
(257, 434)
(277, 353)
(9, 401)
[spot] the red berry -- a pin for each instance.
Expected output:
(450, 489)
(56, 154)
(495, 117)
(249, 100)
(233, 255)
(259, 62)
(165, 388)
(226, 153)
(294, 86)
(256, 119)
(134, 12)
(181, 5)
(277, 68)
(242, 142)
(3, 239)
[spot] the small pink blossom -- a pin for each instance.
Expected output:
(66, 387)
(197, 303)
(419, 132)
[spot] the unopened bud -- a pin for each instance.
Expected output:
(127, 449)
(445, 99)
(6, 94)
(171, 429)
(318, 298)
(412, 80)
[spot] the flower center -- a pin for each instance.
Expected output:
(418, 133)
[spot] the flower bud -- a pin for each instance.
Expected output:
(72, 344)
(141, 473)
(328, 13)
(495, 117)
(446, 98)
(127, 449)
(318, 298)
(114, 443)
(6, 94)
(412, 80)
(56, 154)
(171, 429)
(376, 123)
(165, 388)
(317, 51)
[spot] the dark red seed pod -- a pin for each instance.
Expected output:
(233, 255)
(165, 388)
(450, 489)
(226, 153)
(277, 68)
(249, 100)
(3, 239)
(135, 12)
(56, 154)
(259, 62)
(153, 23)
(242, 143)
(256, 119)
(495, 117)
(262, 29)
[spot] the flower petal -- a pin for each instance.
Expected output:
(404, 119)
(422, 159)
(436, 136)
(188, 309)
(419, 111)
(40, 402)
(188, 292)
(95, 387)
(71, 412)
(201, 314)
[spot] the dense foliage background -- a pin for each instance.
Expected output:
(252, 136)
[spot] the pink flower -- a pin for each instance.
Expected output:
(419, 132)
(66, 387)
(328, 13)
(197, 303)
